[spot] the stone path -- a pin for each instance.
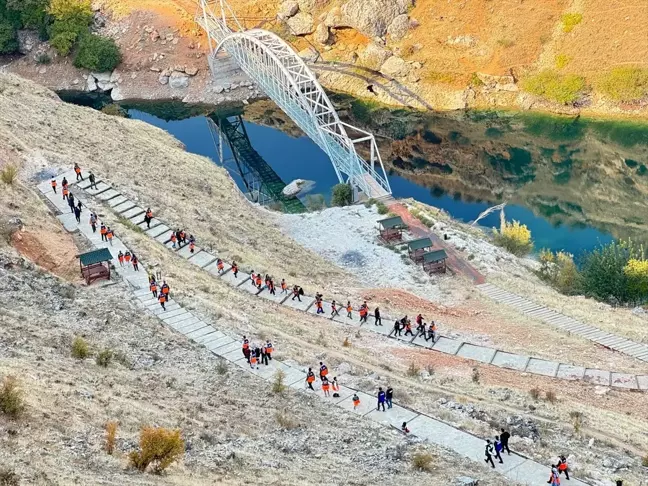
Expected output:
(550, 316)
(480, 354)
(516, 467)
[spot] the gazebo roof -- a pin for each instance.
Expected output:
(393, 222)
(434, 256)
(419, 244)
(96, 256)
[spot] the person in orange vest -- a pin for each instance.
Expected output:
(120, 257)
(165, 288)
(220, 265)
(153, 287)
(349, 310)
(53, 185)
(363, 313)
(109, 235)
(258, 281)
(334, 384)
(269, 349)
(65, 192)
(148, 216)
(323, 371)
(326, 386)
(408, 328)
(356, 401)
(135, 263)
(162, 299)
(253, 360)
(192, 243)
(431, 332)
(246, 348)
(296, 293)
(174, 238)
(235, 269)
(284, 286)
(310, 378)
(103, 232)
(563, 467)
(320, 309)
(127, 257)
(77, 170)
(334, 310)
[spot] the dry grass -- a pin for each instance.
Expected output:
(9, 174)
(550, 396)
(285, 421)
(279, 385)
(104, 358)
(111, 433)
(159, 448)
(346, 343)
(12, 403)
(535, 392)
(80, 348)
(413, 371)
(422, 461)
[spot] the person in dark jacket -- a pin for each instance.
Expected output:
(389, 395)
(504, 438)
(381, 399)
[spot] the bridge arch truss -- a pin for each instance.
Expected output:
(279, 71)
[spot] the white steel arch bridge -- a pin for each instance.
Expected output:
(277, 69)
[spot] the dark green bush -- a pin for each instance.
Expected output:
(32, 13)
(71, 21)
(63, 42)
(342, 195)
(8, 39)
(97, 53)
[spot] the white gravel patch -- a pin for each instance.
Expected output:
(348, 237)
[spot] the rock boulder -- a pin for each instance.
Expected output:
(399, 27)
(322, 34)
(335, 19)
(287, 9)
(301, 24)
(395, 67)
(372, 17)
(178, 80)
(374, 56)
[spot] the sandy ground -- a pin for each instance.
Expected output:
(33, 123)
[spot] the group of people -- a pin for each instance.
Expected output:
(162, 295)
(496, 447)
(427, 332)
(128, 258)
(255, 354)
(179, 237)
(258, 282)
(327, 384)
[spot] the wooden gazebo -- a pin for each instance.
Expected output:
(416, 248)
(434, 261)
(391, 229)
(95, 265)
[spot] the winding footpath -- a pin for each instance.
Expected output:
(516, 467)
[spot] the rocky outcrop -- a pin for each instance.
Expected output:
(178, 80)
(301, 24)
(395, 67)
(373, 17)
(309, 54)
(374, 56)
(335, 19)
(399, 27)
(322, 34)
(307, 5)
(287, 9)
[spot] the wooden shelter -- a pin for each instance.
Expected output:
(417, 248)
(95, 265)
(391, 229)
(434, 261)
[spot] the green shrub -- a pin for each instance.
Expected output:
(515, 237)
(80, 348)
(636, 271)
(104, 358)
(43, 58)
(12, 402)
(315, 202)
(63, 42)
(570, 20)
(382, 208)
(77, 12)
(279, 385)
(8, 39)
(9, 174)
(562, 60)
(32, 13)
(369, 202)
(97, 53)
(624, 84)
(644, 461)
(159, 448)
(342, 195)
(549, 84)
(560, 271)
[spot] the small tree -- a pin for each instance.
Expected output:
(515, 237)
(8, 39)
(97, 53)
(12, 403)
(111, 434)
(279, 385)
(80, 348)
(636, 272)
(160, 448)
(342, 195)
(104, 358)
(9, 174)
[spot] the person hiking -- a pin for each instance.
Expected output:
(554, 478)
(563, 467)
(93, 182)
(497, 445)
(127, 257)
(264, 354)
(323, 371)
(93, 222)
(296, 293)
(258, 282)
(253, 277)
(153, 287)
(65, 192)
(71, 202)
(404, 428)
(53, 183)
(284, 286)
(165, 289)
(269, 349)
(271, 287)
(220, 265)
(174, 239)
(349, 309)
(326, 386)
(320, 309)
(148, 216)
(257, 354)
(135, 263)
(364, 312)
(356, 401)
(381, 399)
(235, 269)
(334, 385)
(103, 232)
(120, 257)
(431, 334)
(310, 378)
(389, 395)
(80, 206)
(397, 328)
(408, 328)
(245, 347)
(377, 319)
(109, 235)
(419, 323)
(77, 214)
(504, 438)
(489, 453)
(162, 299)
(253, 359)
(334, 310)
(77, 171)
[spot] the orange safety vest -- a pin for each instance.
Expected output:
(103, 230)
(109, 234)
(258, 280)
(77, 169)
(562, 466)
(219, 264)
(318, 304)
(323, 370)
(269, 348)
(433, 327)
(153, 287)
(65, 191)
(356, 401)
(53, 183)
(149, 214)
(310, 378)
(363, 311)
(349, 308)
(234, 268)
(246, 344)
(121, 258)
(192, 245)
(253, 359)
(162, 298)
(127, 256)
(283, 285)
(325, 386)
(165, 289)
